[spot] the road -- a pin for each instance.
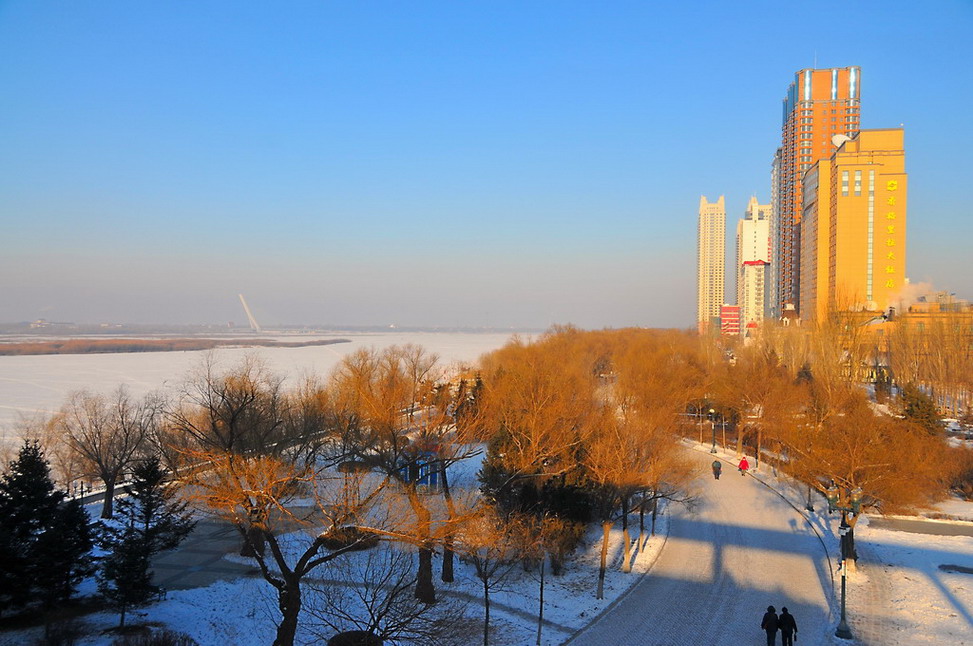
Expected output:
(919, 526)
(742, 549)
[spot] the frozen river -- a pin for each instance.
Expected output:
(38, 385)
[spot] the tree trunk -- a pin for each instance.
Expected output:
(540, 606)
(626, 564)
(425, 590)
(486, 610)
(447, 573)
(108, 504)
(655, 512)
(289, 601)
(606, 526)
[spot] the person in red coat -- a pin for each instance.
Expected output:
(744, 465)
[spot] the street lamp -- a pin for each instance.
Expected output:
(843, 630)
(851, 502)
(712, 422)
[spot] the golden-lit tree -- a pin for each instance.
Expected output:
(256, 494)
(396, 417)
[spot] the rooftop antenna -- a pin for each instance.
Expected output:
(253, 322)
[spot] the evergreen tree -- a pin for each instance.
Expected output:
(45, 542)
(920, 409)
(152, 520)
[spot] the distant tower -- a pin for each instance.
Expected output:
(253, 322)
(710, 263)
(752, 254)
(820, 104)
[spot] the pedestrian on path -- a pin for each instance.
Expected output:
(769, 624)
(744, 465)
(788, 628)
(717, 469)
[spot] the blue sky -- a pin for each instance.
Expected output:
(433, 163)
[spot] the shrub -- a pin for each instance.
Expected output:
(158, 638)
(355, 638)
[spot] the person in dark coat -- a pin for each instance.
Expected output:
(788, 628)
(717, 468)
(770, 625)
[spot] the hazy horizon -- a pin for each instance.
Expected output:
(476, 164)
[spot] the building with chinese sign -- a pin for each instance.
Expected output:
(853, 226)
(819, 104)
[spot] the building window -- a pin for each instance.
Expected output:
(858, 183)
(844, 183)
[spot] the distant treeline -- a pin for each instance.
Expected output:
(101, 346)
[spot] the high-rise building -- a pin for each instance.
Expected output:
(752, 293)
(820, 103)
(752, 245)
(853, 230)
(710, 262)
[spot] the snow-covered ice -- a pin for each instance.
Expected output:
(39, 384)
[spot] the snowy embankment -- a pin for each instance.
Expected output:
(242, 611)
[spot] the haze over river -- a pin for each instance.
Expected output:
(37, 385)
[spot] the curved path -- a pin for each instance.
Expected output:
(742, 548)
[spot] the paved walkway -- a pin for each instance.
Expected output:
(742, 549)
(198, 560)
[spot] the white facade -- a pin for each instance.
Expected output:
(752, 292)
(710, 261)
(753, 244)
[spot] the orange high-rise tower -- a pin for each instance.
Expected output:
(820, 104)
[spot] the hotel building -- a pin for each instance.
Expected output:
(853, 226)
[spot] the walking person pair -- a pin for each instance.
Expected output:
(785, 623)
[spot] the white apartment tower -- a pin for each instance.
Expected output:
(753, 247)
(710, 263)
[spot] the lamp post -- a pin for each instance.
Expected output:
(843, 630)
(850, 502)
(712, 423)
(699, 422)
(723, 428)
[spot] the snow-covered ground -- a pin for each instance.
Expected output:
(241, 612)
(38, 385)
(743, 548)
(899, 595)
(903, 596)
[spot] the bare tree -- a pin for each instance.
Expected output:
(238, 410)
(493, 543)
(373, 593)
(107, 434)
